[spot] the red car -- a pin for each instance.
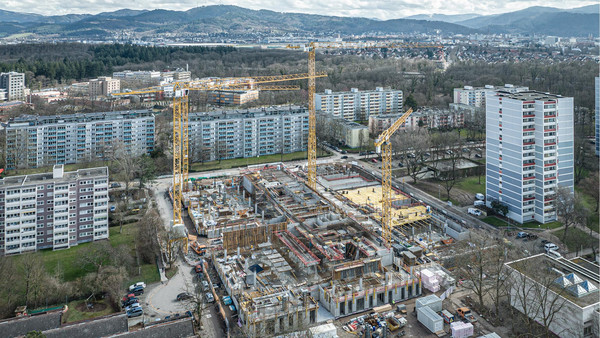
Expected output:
(131, 295)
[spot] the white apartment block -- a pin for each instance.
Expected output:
(247, 133)
(37, 141)
(475, 96)
(14, 85)
(425, 118)
(54, 210)
(529, 152)
(141, 75)
(359, 105)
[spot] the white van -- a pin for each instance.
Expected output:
(550, 246)
(479, 203)
(480, 196)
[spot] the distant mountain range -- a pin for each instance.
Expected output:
(225, 20)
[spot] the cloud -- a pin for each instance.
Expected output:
(380, 9)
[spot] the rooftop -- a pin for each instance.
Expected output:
(247, 113)
(33, 120)
(530, 95)
(70, 176)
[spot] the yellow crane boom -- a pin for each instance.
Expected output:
(385, 145)
(312, 118)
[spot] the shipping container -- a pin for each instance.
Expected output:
(430, 319)
(432, 301)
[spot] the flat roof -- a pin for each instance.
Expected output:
(530, 95)
(247, 113)
(34, 120)
(68, 176)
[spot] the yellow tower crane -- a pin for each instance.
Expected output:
(181, 120)
(312, 119)
(384, 145)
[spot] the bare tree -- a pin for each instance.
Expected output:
(450, 172)
(413, 145)
(33, 274)
(570, 209)
(472, 265)
(127, 163)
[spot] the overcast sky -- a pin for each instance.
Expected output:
(380, 9)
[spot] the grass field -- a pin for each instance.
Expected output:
(66, 261)
(590, 204)
(471, 184)
(242, 162)
(495, 221)
(74, 315)
(576, 239)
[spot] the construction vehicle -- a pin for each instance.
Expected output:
(198, 248)
(312, 118)
(464, 313)
(383, 145)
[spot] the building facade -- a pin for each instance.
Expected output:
(529, 152)
(597, 116)
(425, 118)
(103, 86)
(14, 85)
(37, 141)
(233, 97)
(475, 96)
(359, 105)
(54, 210)
(248, 133)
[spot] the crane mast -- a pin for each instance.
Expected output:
(384, 144)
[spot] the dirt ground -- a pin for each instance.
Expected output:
(97, 307)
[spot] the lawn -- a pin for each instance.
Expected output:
(242, 162)
(66, 261)
(590, 204)
(471, 184)
(497, 222)
(576, 238)
(74, 314)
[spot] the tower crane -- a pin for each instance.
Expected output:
(312, 119)
(181, 120)
(384, 145)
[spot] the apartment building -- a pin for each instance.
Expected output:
(103, 86)
(247, 133)
(597, 116)
(529, 152)
(348, 133)
(359, 105)
(14, 85)
(54, 210)
(425, 118)
(141, 75)
(475, 96)
(37, 141)
(233, 97)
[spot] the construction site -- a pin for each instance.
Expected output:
(290, 256)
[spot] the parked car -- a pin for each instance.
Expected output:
(127, 296)
(400, 164)
(209, 297)
(478, 203)
(183, 296)
(344, 157)
(478, 155)
(112, 208)
(115, 185)
(205, 285)
(138, 291)
(550, 246)
(474, 211)
(374, 160)
(554, 254)
(137, 285)
(449, 152)
(522, 234)
(426, 154)
(480, 196)
(132, 306)
(130, 301)
(135, 312)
